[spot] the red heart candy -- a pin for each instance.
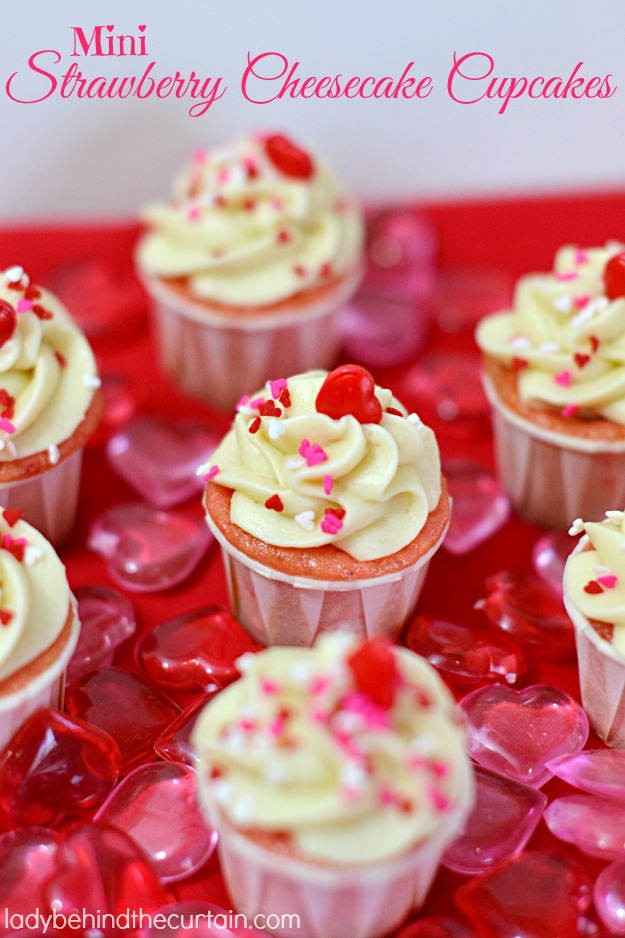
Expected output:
(614, 276)
(8, 321)
(349, 389)
(288, 158)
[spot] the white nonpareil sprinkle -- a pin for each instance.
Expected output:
(275, 773)
(425, 745)
(353, 774)
(222, 791)
(577, 527)
(276, 429)
(32, 554)
(54, 454)
(414, 419)
(242, 809)
(563, 304)
(294, 463)
(91, 381)
(14, 274)
(549, 348)
(519, 343)
(301, 673)
(306, 520)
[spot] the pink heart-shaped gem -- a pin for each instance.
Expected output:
(157, 805)
(159, 458)
(174, 743)
(516, 733)
(27, 861)
(481, 507)
(609, 896)
(148, 549)
(549, 555)
(196, 649)
(106, 620)
(595, 825)
(597, 771)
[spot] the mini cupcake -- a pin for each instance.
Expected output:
(594, 596)
(248, 266)
(555, 377)
(336, 777)
(49, 405)
(39, 624)
(328, 502)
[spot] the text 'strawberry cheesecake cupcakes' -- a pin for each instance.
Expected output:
(594, 596)
(39, 624)
(248, 266)
(328, 501)
(49, 405)
(555, 377)
(336, 777)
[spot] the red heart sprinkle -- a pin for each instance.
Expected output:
(288, 158)
(375, 671)
(255, 425)
(593, 587)
(42, 312)
(393, 410)
(269, 409)
(8, 321)
(12, 516)
(285, 398)
(614, 277)
(594, 342)
(5, 616)
(337, 512)
(581, 360)
(518, 364)
(349, 389)
(275, 502)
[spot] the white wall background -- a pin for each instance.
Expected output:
(103, 159)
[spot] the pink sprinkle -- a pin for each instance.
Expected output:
(24, 305)
(223, 175)
(319, 716)
(386, 795)
(580, 256)
(416, 762)
(440, 769)
(268, 686)
(277, 387)
(200, 156)
(312, 453)
(570, 410)
(328, 482)
(276, 728)
(580, 301)
(193, 213)
(243, 402)
(257, 402)
(319, 684)
(277, 205)
(563, 378)
(350, 794)
(440, 801)
(330, 524)
(369, 712)
(6, 425)
(608, 581)
(247, 724)
(212, 472)
(562, 278)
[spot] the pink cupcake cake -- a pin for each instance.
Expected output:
(336, 777)
(248, 266)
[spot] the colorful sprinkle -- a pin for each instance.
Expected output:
(6, 425)
(581, 257)
(276, 429)
(570, 410)
(193, 213)
(608, 581)
(563, 304)
(212, 472)
(254, 427)
(563, 378)
(284, 236)
(328, 482)
(306, 520)
(14, 274)
(269, 409)
(394, 411)
(60, 359)
(593, 587)
(440, 801)
(581, 359)
(12, 516)
(518, 364)
(23, 306)
(563, 278)
(54, 454)
(5, 616)
(257, 402)
(277, 387)
(268, 686)
(15, 546)
(242, 402)
(330, 524)
(274, 502)
(312, 453)
(285, 398)
(594, 343)
(581, 301)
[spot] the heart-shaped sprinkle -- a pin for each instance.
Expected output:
(375, 672)
(288, 158)
(614, 277)
(594, 343)
(306, 520)
(581, 359)
(349, 389)
(563, 379)
(592, 587)
(12, 516)
(274, 503)
(8, 321)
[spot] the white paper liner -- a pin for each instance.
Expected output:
(46, 690)
(552, 478)
(601, 678)
(217, 357)
(49, 499)
(279, 609)
(331, 901)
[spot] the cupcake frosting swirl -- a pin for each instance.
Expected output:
(594, 577)
(302, 745)
(303, 479)
(34, 594)
(47, 370)
(565, 337)
(245, 233)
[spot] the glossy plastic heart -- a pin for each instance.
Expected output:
(465, 656)
(27, 861)
(481, 507)
(549, 555)
(101, 871)
(597, 771)
(174, 743)
(516, 733)
(445, 390)
(595, 825)
(159, 458)
(503, 819)
(156, 804)
(147, 549)
(609, 896)
(349, 389)
(56, 767)
(196, 649)
(529, 611)
(126, 707)
(537, 894)
(106, 620)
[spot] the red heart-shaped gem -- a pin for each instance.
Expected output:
(8, 321)
(614, 276)
(349, 389)
(288, 158)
